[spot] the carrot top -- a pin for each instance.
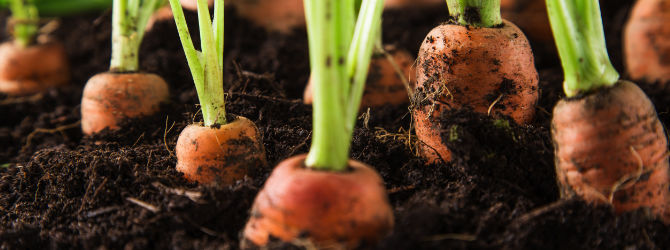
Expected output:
(63, 7)
(578, 30)
(129, 19)
(206, 66)
(25, 21)
(340, 47)
(478, 13)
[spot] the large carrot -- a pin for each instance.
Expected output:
(273, 15)
(610, 146)
(28, 66)
(123, 92)
(481, 62)
(647, 42)
(219, 150)
(323, 196)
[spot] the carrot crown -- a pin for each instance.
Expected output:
(206, 66)
(340, 47)
(478, 13)
(129, 19)
(25, 20)
(578, 30)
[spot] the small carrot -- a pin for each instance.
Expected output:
(531, 16)
(274, 15)
(646, 46)
(386, 80)
(123, 92)
(219, 151)
(26, 65)
(323, 196)
(193, 4)
(219, 154)
(610, 146)
(482, 62)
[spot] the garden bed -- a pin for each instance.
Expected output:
(119, 189)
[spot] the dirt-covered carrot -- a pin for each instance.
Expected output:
(274, 15)
(29, 65)
(647, 42)
(123, 92)
(219, 150)
(610, 146)
(323, 196)
(531, 17)
(480, 62)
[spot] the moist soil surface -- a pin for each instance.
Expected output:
(119, 189)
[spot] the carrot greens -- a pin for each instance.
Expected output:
(25, 20)
(580, 39)
(206, 66)
(340, 47)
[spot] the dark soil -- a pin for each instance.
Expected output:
(119, 189)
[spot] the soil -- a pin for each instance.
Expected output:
(119, 189)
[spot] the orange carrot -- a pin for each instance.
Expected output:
(111, 97)
(220, 154)
(609, 145)
(332, 208)
(487, 69)
(384, 86)
(611, 148)
(647, 43)
(273, 15)
(32, 69)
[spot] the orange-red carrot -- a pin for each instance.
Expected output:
(222, 154)
(32, 69)
(111, 97)
(611, 148)
(344, 209)
(647, 42)
(488, 70)
(384, 85)
(273, 15)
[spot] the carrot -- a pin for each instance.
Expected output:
(193, 4)
(531, 16)
(111, 97)
(123, 92)
(165, 13)
(32, 69)
(323, 196)
(385, 86)
(274, 15)
(326, 206)
(219, 151)
(646, 46)
(482, 63)
(610, 146)
(27, 66)
(220, 154)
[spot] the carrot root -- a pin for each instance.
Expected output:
(349, 208)
(111, 97)
(222, 154)
(274, 15)
(26, 71)
(612, 149)
(488, 70)
(646, 43)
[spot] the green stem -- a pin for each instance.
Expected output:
(65, 7)
(206, 66)
(580, 39)
(340, 48)
(26, 21)
(129, 19)
(478, 13)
